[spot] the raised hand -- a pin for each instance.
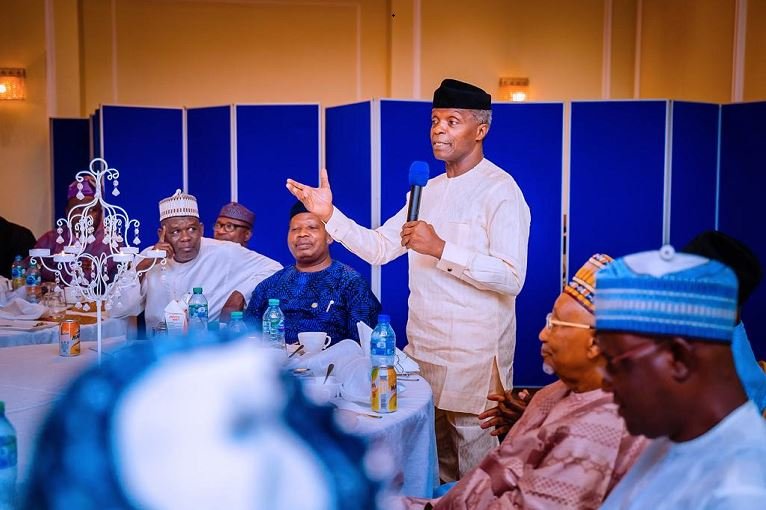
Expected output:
(160, 245)
(422, 238)
(509, 409)
(317, 200)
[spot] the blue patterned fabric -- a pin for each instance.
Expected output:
(750, 374)
(678, 294)
(331, 300)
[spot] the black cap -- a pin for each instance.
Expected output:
(457, 94)
(731, 252)
(297, 208)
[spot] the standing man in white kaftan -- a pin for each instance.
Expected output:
(467, 263)
(226, 271)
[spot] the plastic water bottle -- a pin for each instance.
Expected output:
(237, 326)
(274, 326)
(8, 462)
(34, 280)
(383, 391)
(198, 311)
(18, 273)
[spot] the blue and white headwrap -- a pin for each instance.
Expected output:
(667, 293)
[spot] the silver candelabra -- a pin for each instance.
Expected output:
(88, 274)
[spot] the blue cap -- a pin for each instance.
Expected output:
(667, 293)
(383, 317)
(419, 172)
(273, 302)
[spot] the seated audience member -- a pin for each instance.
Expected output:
(58, 237)
(317, 293)
(235, 223)
(226, 271)
(664, 324)
(200, 428)
(727, 250)
(14, 240)
(570, 447)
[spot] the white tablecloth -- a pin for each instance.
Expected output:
(110, 328)
(32, 377)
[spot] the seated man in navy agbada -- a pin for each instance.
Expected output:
(317, 293)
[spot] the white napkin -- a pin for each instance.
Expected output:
(403, 362)
(18, 308)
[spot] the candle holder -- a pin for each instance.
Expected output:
(89, 274)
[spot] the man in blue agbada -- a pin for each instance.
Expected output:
(664, 325)
(317, 293)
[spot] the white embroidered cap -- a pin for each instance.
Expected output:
(179, 204)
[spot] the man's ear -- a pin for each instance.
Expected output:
(201, 229)
(683, 361)
(248, 235)
(593, 351)
(481, 132)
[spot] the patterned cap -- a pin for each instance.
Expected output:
(88, 188)
(237, 211)
(583, 283)
(667, 293)
(179, 204)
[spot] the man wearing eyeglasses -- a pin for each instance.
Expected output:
(570, 447)
(235, 223)
(664, 325)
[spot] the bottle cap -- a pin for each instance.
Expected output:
(197, 290)
(236, 315)
(384, 317)
(273, 302)
(2, 408)
(18, 258)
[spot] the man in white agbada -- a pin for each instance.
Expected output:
(467, 263)
(226, 271)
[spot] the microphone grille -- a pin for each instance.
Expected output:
(419, 172)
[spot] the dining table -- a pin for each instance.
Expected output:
(33, 377)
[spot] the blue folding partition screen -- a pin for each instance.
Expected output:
(617, 174)
(208, 132)
(743, 178)
(348, 153)
(146, 146)
(275, 142)
(70, 153)
(526, 141)
(641, 172)
(693, 170)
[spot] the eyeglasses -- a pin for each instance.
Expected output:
(228, 227)
(550, 322)
(613, 362)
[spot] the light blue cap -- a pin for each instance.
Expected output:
(667, 293)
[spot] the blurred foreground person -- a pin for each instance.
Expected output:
(163, 426)
(727, 250)
(664, 324)
(570, 447)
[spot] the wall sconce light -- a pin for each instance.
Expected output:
(12, 84)
(514, 89)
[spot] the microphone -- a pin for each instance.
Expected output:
(419, 171)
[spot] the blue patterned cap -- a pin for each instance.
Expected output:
(667, 293)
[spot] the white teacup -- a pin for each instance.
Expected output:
(314, 341)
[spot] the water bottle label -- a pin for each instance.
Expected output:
(8, 453)
(199, 311)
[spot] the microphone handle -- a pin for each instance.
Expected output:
(414, 206)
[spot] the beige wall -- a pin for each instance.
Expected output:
(204, 52)
(687, 49)
(24, 178)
